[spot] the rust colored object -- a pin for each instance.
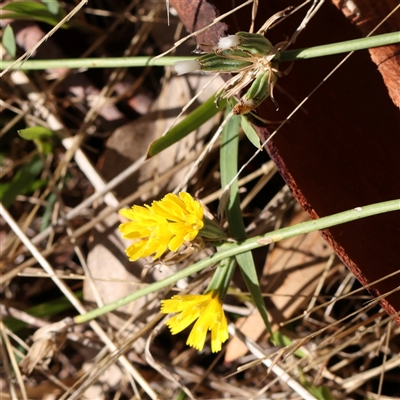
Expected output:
(386, 58)
(341, 150)
(195, 15)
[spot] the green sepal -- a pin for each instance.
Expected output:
(212, 230)
(260, 89)
(228, 61)
(254, 43)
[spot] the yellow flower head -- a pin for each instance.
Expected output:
(207, 309)
(167, 223)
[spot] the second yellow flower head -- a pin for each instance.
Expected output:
(207, 310)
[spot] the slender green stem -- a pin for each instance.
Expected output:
(247, 245)
(341, 47)
(222, 277)
(112, 62)
(290, 55)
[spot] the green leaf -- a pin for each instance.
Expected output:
(48, 211)
(39, 135)
(8, 41)
(24, 180)
(250, 132)
(320, 392)
(43, 310)
(52, 5)
(282, 340)
(192, 121)
(35, 133)
(229, 168)
(31, 10)
(44, 147)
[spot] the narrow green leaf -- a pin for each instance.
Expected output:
(250, 132)
(282, 340)
(8, 41)
(35, 133)
(43, 310)
(320, 392)
(48, 211)
(181, 395)
(22, 182)
(193, 121)
(229, 168)
(24, 7)
(31, 10)
(52, 5)
(44, 147)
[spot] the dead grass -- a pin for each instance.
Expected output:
(103, 121)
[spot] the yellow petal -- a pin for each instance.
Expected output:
(181, 321)
(219, 333)
(181, 302)
(207, 309)
(166, 224)
(197, 336)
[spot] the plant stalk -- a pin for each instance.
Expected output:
(123, 62)
(231, 250)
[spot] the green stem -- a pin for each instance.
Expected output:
(290, 55)
(112, 62)
(222, 277)
(341, 47)
(232, 250)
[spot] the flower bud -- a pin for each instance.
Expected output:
(260, 89)
(228, 61)
(254, 43)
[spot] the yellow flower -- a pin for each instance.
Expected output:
(207, 309)
(167, 223)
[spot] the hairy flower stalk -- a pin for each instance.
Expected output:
(166, 224)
